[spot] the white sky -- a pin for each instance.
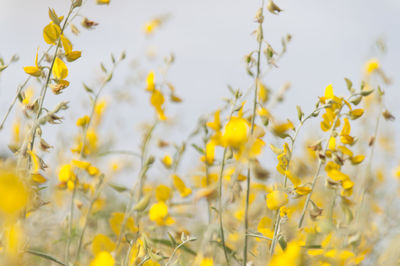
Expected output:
(331, 40)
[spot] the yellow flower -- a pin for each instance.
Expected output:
(151, 25)
(103, 2)
(66, 173)
(235, 133)
(356, 113)
(371, 66)
(159, 213)
(69, 54)
(163, 193)
(264, 227)
(207, 262)
(60, 70)
(345, 137)
(83, 121)
(116, 220)
(51, 33)
(14, 194)
(357, 159)
(292, 255)
(102, 243)
(216, 124)
(103, 259)
(35, 70)
(157, 100)
(210, 152)
(280, 129)
(276, 199)
(150, 82)
(167, 161)
(180, 186)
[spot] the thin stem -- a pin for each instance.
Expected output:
(142, 174)
(293, 140)
(368, 168)
(95, 197)
(319, 168)
(246, 214)
(176, 249)
(259, 236)
(221, 227)
(81, 155)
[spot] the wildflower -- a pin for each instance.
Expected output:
(150, 82)
(280, 129)
(151, 25)
(207, 262)
(116, 221)
(292, 255)
(69, 54)
(276, 199)
(35, 70)
(103, 2)
(14, 194)
(345, 137)
(51, 33)
(83, 121)
(157, 100)
(163, 193)
(102, 243)
(235, 133)
(181, 187)
(264, 227)
(371, 66)
(167, 161)
(60, 70)
(159, 213)
(103, 259)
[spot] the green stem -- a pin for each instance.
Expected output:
(319, 168)
(248, 182)
(221, 226)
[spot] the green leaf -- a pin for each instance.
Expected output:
(197, 148)
(118, 188)
(349, 84)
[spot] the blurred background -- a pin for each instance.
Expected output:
(330, 40)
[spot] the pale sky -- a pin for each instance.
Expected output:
(331, 40)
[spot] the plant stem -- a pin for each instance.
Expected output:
(246, 215)
(221, 226)
(95, 197)
(319, 168)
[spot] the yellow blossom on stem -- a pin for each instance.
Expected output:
(180, 186)
(163, 193)
(157, 100)
(14, 193)
(207, 262)
(167, 161)
(371, 66)
(102, 243)
(235, 132)
(159, 213)
(60, 70)
(35, 70)
(276, 199)
(116, 221)
(103, 259)
(51, 33)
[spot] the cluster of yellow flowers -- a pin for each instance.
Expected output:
(326, 204)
